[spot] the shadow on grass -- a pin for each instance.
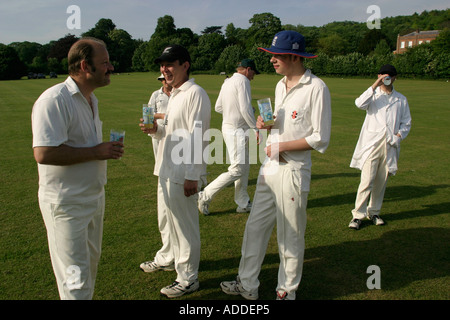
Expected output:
(336, 271)
(395, 193)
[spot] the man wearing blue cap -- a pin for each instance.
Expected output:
(302, 123)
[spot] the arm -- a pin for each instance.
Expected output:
(65, 155)
(274, 149)
(245, 104)
(199, 123)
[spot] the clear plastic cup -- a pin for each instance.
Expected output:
(265, 110)
(117, 135)
(148, 114)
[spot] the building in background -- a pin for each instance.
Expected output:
(414, 39)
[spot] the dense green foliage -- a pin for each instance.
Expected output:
(346, 48)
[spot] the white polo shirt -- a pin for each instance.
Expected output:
(183, 139)
(303, 112)
(235, 103)
(61, 115)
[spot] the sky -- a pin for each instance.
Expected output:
(42, 21)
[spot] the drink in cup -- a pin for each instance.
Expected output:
(148, 114)
(117, 135)
(265, 110)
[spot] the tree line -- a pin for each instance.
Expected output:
(344, 48)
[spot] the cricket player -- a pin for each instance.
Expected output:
(180, 166)
(159, 100)
(68, 147)
(235, 103)
(302, 123)
(164, 259)
(387, 123)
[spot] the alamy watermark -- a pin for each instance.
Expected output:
(374, 21)
(199, 147)
(74, 277)
(74, 20)
(374, 281)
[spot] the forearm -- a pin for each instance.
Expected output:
(294, 145)
(64, 155)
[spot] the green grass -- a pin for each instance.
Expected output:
(411, 249)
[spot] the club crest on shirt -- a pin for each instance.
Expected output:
(294, 114)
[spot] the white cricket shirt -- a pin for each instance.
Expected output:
(235, 103)
(61, 115)
(183, 139)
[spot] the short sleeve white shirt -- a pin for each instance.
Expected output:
(61, 115)
(303, 112)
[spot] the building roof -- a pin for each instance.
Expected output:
(422, 33)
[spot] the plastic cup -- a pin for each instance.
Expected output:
(117, 135)
(265, 110)
(148, 114)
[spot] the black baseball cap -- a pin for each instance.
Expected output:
(173, 53)
(388, 69)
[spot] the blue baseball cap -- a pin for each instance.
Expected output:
(288, 42)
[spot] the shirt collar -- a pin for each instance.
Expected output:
(72, 86)
(73, 89)
(185, 86)
(306, 78)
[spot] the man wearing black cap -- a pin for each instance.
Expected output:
(235, 104)
(302, 123)
(181, 168)
(387, 122)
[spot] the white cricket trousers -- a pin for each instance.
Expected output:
(374, 177)
(165, 255)
(278, 199)
(74, 233)
(183, 228)
(236, 141)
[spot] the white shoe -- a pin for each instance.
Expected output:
(247, 209)
(377, 220)
(235, 288)
(354, 224)
(176, 289)
(283, 295)
(151, 266)
(203, 205)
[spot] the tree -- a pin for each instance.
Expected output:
(11, 68)
(165, 27)
(264, 27)
(382, 48)
(26, 50)
(209, 48)
(370, 41)
(60, 48)
(442, 43)
(332, 45)
(121, 49)
(101, 30)
(229, 59)
(213, 29)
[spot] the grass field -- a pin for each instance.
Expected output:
(412, 249)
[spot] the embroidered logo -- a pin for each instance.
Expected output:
(295, 46)
(274, 42)
(294, 114)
